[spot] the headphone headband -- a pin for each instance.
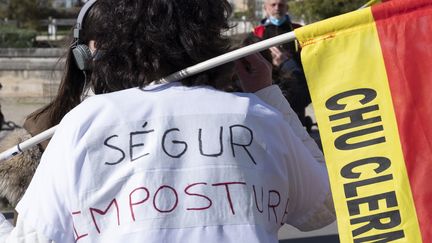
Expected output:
(81, 52)
(81, 17)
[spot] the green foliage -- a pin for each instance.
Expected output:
(27, 13)
(251, 8)
(249, 12)
(13, 37)
(239, 15)
(3, 9)
(60, 13)
(315, 10)
(23, 11)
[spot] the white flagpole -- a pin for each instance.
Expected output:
(197, 68)
(230, 56)
(19, 148)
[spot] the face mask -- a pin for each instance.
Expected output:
(276, 21)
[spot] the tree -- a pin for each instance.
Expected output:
(27, 13)
(3, 8)
(315, 10)
(251, 9)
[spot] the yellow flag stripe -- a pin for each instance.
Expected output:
(348, 83)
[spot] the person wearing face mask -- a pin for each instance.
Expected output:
(287, 69)
(276, 22)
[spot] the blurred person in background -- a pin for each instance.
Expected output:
(287, 68)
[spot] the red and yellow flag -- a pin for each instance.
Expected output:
(370, 77)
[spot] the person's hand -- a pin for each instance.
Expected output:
(279, 56)
(254, 72)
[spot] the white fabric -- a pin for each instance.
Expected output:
(273, 96)
(5, 228)
(173, 164)
(22, 233)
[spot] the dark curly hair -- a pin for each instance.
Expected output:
(143, 41)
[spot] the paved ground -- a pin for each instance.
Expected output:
(16, 110)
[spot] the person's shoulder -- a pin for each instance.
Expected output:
(259, 107)
(95, 101)
(233, 102)
(94, 106)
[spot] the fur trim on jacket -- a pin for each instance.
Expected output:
(17, 172)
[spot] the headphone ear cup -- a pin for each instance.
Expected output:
(82, 56)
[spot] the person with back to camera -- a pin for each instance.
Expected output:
(288, 71)
(16, 172)
(147, 161)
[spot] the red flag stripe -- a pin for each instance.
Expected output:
(406, 42)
